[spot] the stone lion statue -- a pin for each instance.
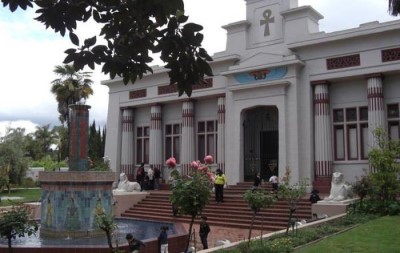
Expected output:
(339, 189)
(125, 185)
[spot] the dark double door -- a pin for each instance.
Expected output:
(269, 144)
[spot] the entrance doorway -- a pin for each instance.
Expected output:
(260, 142)
(269, 153)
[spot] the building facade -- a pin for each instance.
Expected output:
(283, 95)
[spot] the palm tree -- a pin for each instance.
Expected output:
(45, 136)
(394, 7)
(70, 88)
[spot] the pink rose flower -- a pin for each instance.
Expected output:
(203, 168)
(211, 176)
(171, 162)
(194, 164)
(208, 159)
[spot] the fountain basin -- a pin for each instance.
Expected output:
(147, 231)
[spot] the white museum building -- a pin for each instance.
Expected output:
(283, 95)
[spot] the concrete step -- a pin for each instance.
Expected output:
(234, 212)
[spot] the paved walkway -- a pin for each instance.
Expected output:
(221, 233)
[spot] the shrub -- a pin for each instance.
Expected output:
(28, 182)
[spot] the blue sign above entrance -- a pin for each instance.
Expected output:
(261, 75)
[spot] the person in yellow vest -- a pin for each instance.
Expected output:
(219, 183)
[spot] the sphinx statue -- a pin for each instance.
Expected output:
(339, 189)
(125, 185)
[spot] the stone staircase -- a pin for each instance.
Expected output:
(233, 213)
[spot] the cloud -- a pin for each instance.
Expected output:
(29, 54)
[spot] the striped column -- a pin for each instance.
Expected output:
(78, 137)
(156, 140)
(127, 144)
(188, 134)
(322, 123)
(376, 110)
(221, 134)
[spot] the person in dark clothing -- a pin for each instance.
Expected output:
(134, 244)
(163, 239)
(140, 174)
(257, 181)
(314, 197)
(204, 230)
(157, 175)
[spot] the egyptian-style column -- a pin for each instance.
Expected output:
(376, 110)
(127, 146)
(323, 135)
(155, 158)
(221, 134)
(188, 134)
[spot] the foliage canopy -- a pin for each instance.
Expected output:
(131, 31)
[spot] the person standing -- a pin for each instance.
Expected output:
(163, 239)
(257, 181)
(274, 180)
(140, 176)
(157, 175)
(150, 173)
(204, 230)
(219, 183)
(134, 244)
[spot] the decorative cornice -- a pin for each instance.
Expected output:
(374, 75)
(320, 82)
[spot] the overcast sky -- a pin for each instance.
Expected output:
(29, 53)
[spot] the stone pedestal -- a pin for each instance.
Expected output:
(125, 200)
(331, 208)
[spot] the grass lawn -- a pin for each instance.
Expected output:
(377, 236)
(27, 195)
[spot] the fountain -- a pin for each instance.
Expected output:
(71, 199)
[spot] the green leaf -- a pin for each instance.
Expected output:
(90, 42)
(193, 27)
(96, 16)
(204, 67)
(70, 51)
(69, 58)
(74, 39)
(182, 19)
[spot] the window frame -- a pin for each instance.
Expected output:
(210, 147)
(348, 119)
(142, 140)
(172, 135)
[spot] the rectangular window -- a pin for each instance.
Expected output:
(364, 141)
(352, 142)
(207, 132)
(173, 141)
(142, 144)
(393, 121)
(351, 133)
(339, 143)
